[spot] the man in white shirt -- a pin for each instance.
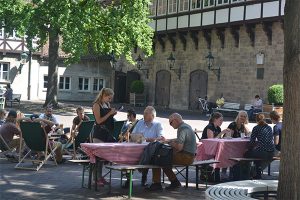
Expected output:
(151, 130)
(256, 107)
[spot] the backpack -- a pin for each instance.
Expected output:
(163, 155)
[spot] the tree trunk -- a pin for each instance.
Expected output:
(51, 97)
(289, 176)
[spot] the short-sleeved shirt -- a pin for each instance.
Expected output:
(264, 136)
(76, 120)
(277, 132)
(149, 130)
(8, 130)
(211, 126)
(186, 136)
(51, 118)
(236, 131)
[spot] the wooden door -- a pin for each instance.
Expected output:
(162, 88)
(120, 87)
(198, 87)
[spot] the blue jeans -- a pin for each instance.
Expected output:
(251, 113)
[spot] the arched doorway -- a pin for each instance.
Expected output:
(198, 87)
(162, 88)
(131, 76)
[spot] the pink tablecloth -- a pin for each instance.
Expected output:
(222, 150)
(122, 153)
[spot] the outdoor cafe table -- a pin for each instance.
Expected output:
(121, 153)
(222, 150)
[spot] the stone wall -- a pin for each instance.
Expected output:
(238, 81)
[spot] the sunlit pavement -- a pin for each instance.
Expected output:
(64, 181)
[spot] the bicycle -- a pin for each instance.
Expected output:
(204, 104)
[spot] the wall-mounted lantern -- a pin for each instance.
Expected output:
(23, 61)
(171, 63)
(210, 65)
(140, 64)
(113, 61)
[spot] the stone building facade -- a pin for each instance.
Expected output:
(249, 54)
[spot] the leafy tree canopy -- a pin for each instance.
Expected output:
(85, 26)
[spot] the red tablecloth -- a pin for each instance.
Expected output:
(222, 150)
(121, 153)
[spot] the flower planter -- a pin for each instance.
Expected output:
(137, 99)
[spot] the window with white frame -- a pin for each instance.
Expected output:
(98, 84)
(172, 6)
(222, 2)
(4, 70)
(183, 5)
(45, 85)
(64, 83)
(208, 3)
(195, 4)
(161, 7)
(83, 84)
(152, 7)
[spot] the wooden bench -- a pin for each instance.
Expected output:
(130, 168)
(241, 189)
(16, 98)
(231, 108)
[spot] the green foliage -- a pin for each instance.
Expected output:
(137, 87)
(275, 94)
(85, 26)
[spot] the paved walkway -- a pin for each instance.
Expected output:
(64, 181)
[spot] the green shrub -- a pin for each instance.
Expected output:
(137, 87)
(275, 94)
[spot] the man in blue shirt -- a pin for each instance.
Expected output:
(151, 130)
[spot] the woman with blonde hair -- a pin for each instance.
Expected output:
(239, 125)
(104, 123)
(261, 145)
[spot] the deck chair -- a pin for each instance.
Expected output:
(90, 115)
(82, 136)
(117, 128)
(37, 140)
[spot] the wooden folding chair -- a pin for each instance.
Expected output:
(37, 140)
(82, 136)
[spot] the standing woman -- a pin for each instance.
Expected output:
(261, 145)
(104, 122)
(239, 125)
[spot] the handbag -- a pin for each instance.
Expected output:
(163, 156)
(101, 132)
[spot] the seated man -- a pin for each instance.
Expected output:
(128, 128)
(150, 129)
(81, 117)
(184, 148)
(8, 93)
(257, 106)
(8, 130)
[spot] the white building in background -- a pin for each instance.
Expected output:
(78, 82)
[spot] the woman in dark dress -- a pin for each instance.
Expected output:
(213, 130)
(104, 122)
(239, 125)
